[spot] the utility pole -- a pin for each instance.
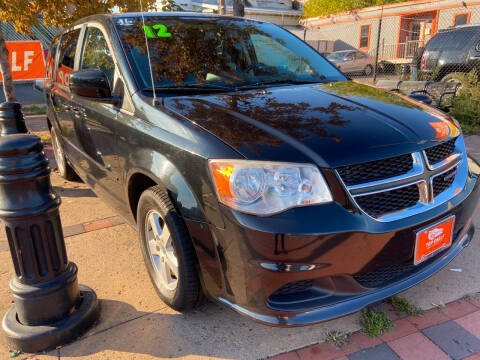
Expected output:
(239, 8)
(222, 8)
(375, 70)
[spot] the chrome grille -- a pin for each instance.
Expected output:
(440, 152)
(389, 201)
(421, 187)
(376, 170)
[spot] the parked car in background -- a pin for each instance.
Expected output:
(253, 170)
(452, 51)
(353, 61)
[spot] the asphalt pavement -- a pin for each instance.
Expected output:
(26, 94)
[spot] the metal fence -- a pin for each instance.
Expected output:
(388, 42)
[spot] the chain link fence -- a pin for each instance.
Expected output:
(404, 41)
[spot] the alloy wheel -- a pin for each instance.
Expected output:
(161, 250)
(58, 153)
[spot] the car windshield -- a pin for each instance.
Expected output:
(337, 56)
(218, 54)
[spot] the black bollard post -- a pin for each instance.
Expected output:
(11, 119)
(50, 308)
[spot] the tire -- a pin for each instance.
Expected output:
(179, 288)
(63, 167)
(368, 70)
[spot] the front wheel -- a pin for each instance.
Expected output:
(368, 70)
(167, 251)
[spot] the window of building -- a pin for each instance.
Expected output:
(461, 19)
(365, 36)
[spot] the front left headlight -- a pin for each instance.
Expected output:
(265, 188)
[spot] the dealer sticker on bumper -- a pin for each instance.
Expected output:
(433, 239)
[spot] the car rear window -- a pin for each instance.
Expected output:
(453, 40)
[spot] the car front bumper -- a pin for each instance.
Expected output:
(317, 263)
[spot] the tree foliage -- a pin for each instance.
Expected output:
(60, 13)
(25, 13)
(326, 7)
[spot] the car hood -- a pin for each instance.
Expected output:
(331, 124)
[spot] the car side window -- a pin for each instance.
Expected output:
(350, 56)
(96, 54)
(50, 72)
(68, 49)
(272, 53)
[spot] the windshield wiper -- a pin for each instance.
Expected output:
(280, 82)
(190, 87)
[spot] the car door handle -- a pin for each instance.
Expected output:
(79, 112)
(474, 57)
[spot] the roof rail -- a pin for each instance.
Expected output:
(451, 28)
(467, 25)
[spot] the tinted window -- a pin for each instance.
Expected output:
(51, 59)
(96, 54)
(337, 55)
(222, 52)
(435, 42)
(364, 36)
(68, 48)
(273, 54)
(452, 40)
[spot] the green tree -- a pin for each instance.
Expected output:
(326, 7)
(25, 13)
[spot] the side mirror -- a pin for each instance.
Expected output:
(93, 85)
(423, 98)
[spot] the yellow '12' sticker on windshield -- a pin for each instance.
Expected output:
(161, 31)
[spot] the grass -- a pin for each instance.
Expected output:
(375, 323)
(44, 135)
(402, 305)
(33, 110)
(336, 338)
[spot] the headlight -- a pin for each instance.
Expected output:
(266, 188)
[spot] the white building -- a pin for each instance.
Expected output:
(285, 13)
(405, 26)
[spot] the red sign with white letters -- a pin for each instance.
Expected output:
(26, 60)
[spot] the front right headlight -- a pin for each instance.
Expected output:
(265, 188)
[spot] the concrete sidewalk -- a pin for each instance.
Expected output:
(136, 324)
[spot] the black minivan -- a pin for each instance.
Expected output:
(452, 51)
(253, 170)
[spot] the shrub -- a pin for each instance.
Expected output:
(375, 323)
(466, 105)
(402, 305)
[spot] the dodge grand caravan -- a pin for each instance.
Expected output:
(253, 170)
